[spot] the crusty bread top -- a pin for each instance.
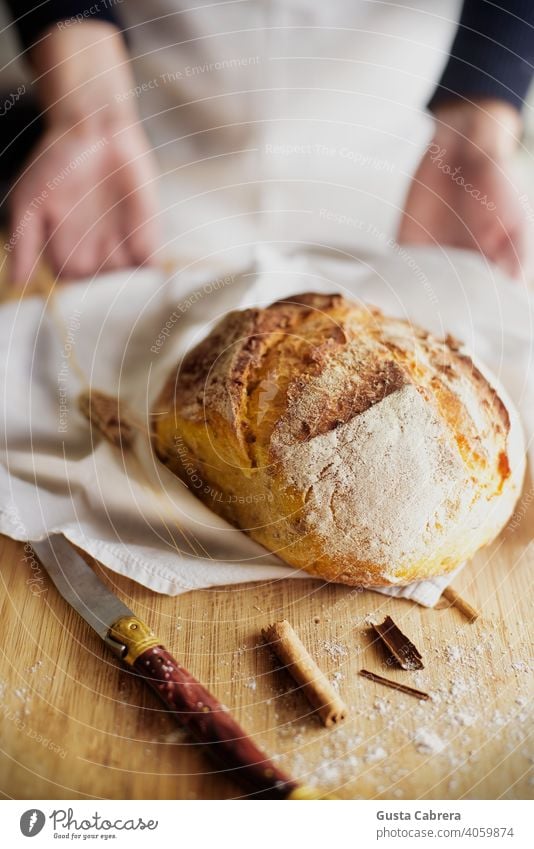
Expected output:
(345, 358)
(366, 416)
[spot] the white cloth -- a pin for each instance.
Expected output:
(58, 477)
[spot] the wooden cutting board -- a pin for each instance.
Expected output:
(76, 725)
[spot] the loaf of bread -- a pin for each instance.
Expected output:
(356, 447)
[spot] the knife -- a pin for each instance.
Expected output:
(131, 640)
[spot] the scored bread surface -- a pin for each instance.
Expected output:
(355, 446)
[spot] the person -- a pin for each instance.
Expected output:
(105, 215)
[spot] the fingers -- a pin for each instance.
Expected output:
(114, 253)
(98, 216)
(424, 217)
(506, 250)
(514, 252)
(138, 214)
(73, 246)
(509, 253)
(27, 236)
(87, 238)
(411, 231)
(74, 254)
(141, 237)
(113, 229)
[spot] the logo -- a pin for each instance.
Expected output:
(32, 822)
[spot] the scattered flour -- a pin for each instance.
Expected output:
(374, 754)
(427, 742)
(334, 650)
(454, 654)
(337, 677)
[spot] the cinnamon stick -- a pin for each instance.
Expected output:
(463, 606)
(104, 413)
(404, 688)
(318, 690)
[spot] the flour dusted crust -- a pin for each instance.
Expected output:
(355, 446)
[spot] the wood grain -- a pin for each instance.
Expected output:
(75, 724)
(58, 681)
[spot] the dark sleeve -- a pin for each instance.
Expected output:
(492, 54)
(32, 18)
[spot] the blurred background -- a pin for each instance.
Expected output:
(282, 120)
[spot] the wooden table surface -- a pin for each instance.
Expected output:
(74, 724)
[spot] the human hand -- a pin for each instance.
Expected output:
(87, 198)
(462, 193)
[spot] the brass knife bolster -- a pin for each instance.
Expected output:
(129, 637)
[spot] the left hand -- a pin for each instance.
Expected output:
(462, 193)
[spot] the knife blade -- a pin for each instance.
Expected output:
(79, 585)
(194, 708)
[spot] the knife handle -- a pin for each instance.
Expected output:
(209, 722)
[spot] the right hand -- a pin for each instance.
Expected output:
(87, 198)
(462, 193)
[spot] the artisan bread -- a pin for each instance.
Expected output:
(357, 447)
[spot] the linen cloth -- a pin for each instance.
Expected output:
(126, 331)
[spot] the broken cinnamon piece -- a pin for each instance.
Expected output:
(104, 413)
(285, 643)
(402, 649)
(404, 688)
(456, 600)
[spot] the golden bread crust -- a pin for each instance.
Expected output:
(355, 446)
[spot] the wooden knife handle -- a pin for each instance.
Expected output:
(209, 722)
